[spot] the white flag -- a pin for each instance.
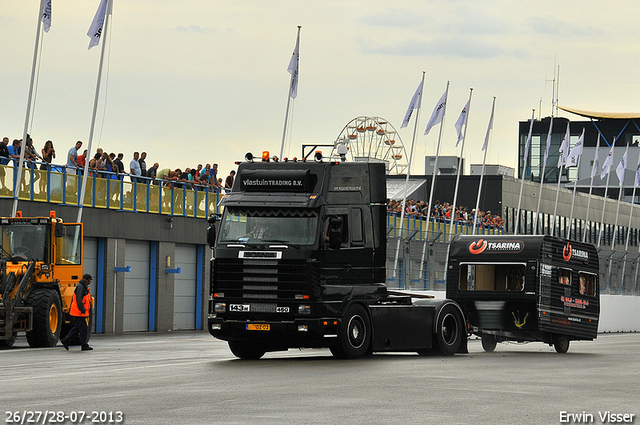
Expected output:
(462, 120)
(486, 138)
(415, 104)
(95, 30)
(546, 150)
(594, 169)
(620, 168)
(606, 166)
(572, 159)
(564, 148)
(293, 68)
(45, 15)
(438, 112)
(636, 182)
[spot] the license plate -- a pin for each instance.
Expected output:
(258, 327)
(239, 307)
(282, 309)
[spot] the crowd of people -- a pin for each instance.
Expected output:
(443, 211)
(111, 166)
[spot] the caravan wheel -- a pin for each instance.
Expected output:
(561, 343)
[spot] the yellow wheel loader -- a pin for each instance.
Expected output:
(40, 264)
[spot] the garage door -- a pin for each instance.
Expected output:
(136, 287)
(90, 265)
(184, 295)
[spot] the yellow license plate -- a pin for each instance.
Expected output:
(256, 327)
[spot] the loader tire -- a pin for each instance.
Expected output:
(47, 318)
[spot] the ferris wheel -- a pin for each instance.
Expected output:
(373, 139)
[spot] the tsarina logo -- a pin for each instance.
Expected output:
(568, 252)
(496, 247)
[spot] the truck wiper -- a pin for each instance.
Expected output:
(282, 241)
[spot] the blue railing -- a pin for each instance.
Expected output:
(108, 190)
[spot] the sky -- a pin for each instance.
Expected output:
(205, 81)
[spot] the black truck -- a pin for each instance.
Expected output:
(525, 288)
(298, 260)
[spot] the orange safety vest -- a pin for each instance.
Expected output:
(86, 300)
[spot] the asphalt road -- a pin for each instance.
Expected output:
(190, 378)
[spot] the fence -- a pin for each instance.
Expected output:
(111, 191)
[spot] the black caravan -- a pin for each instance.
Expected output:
(525, 288)
(299, 261)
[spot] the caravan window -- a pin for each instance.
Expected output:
(587, 284)
(564, 277)
(492, 277)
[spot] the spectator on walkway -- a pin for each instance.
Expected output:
(134, 167)
(4, 158)
(153, 172)
(118, 162)
(48, 154)
(143, 164)
(72, 158)
(14, 150)
(228, 183)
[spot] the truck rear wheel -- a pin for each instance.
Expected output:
(6, 343)
(489, 343)
(561, 343)
(47, 318)
(449, 330)
(354, 334)
(246, 351)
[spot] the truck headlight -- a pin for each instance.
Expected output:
(304, 309)
(220, 307)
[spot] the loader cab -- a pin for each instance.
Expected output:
(26, 239)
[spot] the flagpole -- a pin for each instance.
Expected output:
(294, 77)
(484, 160)
(594, 167)
(524, 167)
(544, 167)
(562, 158)
(631, 207)
(620, 190)
(103, 36)
(406, 184)
(16, 183)
(606, 189)
(433, 183)
(464, 136)
(575, 183)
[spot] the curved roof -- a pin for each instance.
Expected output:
(610, 115)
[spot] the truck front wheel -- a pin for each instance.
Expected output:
(354, 334)
(449, 330)
(47, 318)
(246, 351)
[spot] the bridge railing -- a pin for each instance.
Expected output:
(108, 190)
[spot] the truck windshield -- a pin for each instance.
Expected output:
(22, 239)
(268, 225)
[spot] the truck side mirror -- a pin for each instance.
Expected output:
(211, 230)
(335, 232)
(58, 230)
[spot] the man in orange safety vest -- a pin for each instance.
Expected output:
(80, 308)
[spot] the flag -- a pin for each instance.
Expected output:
(95, 30)
(620, 168)
(546, 150)
(293, 68)
(572, 159)
(606, 166)
(595, 158)
(462, 120)
(486, 138)
(438, 112)
(45, 15)
(528, 145)
(564, 148)
(414, 104)
(636, 182)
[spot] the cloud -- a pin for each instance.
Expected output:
(455, 46)
(195, 29)
(396, 18)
